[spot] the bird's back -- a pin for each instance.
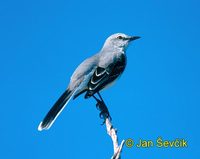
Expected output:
(84, 69)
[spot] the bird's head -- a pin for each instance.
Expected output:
(119, 41)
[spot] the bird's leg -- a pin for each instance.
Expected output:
(98, 101)
(104, 113)
(100, 96)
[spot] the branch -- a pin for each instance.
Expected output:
(112, 132)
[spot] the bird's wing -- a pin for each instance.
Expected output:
(104, 76)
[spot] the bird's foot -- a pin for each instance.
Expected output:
(104, 113)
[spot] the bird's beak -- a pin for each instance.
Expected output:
(134, 38)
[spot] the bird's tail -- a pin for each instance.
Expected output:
(55, 110)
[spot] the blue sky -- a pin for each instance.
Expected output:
(42, 42)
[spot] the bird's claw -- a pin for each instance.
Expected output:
(104, 113)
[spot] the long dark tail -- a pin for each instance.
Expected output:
(55, 110)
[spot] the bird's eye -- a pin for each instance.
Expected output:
(120, 37)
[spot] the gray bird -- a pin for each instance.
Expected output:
(93, 74)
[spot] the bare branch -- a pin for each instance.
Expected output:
(112, 132)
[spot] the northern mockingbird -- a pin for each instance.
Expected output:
(93, 74)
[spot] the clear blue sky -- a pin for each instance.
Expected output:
(42, 42)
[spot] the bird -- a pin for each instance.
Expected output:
(93, 75)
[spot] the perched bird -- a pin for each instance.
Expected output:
(93, 74)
